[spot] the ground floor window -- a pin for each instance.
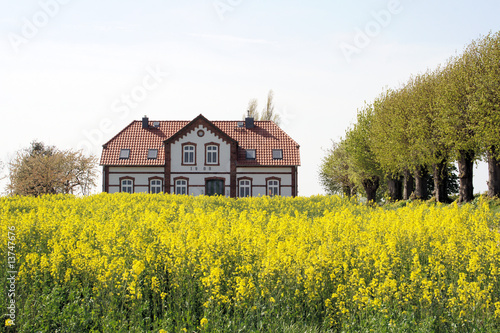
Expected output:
(273, 187)
(245, 188)
(181, 186)
(214, 187)
(127, 186)
(155, 186)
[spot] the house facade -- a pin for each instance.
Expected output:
(202, 157)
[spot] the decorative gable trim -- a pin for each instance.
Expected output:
(200, 120)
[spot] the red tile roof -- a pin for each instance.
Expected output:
(264, 137)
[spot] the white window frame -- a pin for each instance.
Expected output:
(189, 154)
(155, 186)
(181, 186)
(127, 185)
(212, 155)
(245, 186)
(273, 187)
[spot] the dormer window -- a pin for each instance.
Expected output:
(124, 154)
(152, 154)
(250, 154)
(277, 154)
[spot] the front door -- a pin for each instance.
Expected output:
(214, 187)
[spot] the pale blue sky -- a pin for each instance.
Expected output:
(67, 67)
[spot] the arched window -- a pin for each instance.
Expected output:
(189, 153)
(127, 185)
(155, 185)
(181, 186)
(245, 188)
(212, 154)
(273, 186)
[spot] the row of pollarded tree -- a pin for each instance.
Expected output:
(450, 114)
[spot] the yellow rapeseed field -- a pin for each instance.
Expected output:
(167, 263)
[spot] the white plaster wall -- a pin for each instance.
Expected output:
(261, 179)
(141, 181)
(263, 169)
(197, 182)
(141, 189)
(192, 136)
(258, 191)
(286, 191)
(113, 189)
(261, 191)
(259, 175)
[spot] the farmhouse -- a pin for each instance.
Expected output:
(202, 157)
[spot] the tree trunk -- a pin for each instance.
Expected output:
(420, 185)
(371, 185)
(354, 190)
(347, 191)
(425, 179)
(493, 174)
(465, 174)
(440, 181)
(394, 188)
(408, 187)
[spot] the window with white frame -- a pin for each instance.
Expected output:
(155, 186)
(188, 154)
(273, 187)
(245, 188)
(181, 186)
(212, 153)
(127, 186)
